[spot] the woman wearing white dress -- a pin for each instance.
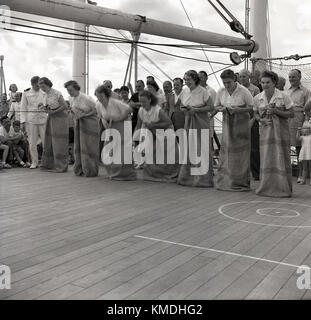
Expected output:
(273, 108)
(197, 105)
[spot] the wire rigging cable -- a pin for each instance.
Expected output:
(128, 55)
(201, 47)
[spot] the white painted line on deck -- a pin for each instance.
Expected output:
(220, 251)
(221, 211)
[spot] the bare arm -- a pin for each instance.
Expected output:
(138, 124)
(284, 114)
(130, 88)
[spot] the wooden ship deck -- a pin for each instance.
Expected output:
(67, 237)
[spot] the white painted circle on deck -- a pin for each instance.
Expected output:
(283, 210)
(278, 212)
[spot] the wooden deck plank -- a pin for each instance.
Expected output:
(70, 237)
(276, 279)
(242, 286)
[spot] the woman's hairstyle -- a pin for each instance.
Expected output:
(194, 76)
(270, 74)
(153, 99)
(11, 85)
(72, 83)
(16, 123)
(204, 72)
(46, 81)
(228, 74)
(102, 89)
(153, 84)
(180, 80)
(124, 88)
(142, 82)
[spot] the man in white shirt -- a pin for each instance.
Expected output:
(33, 118)
(178, 116)
(299, 95)
(203, 83)
(245, 79)
(212, 93)
(169, 98)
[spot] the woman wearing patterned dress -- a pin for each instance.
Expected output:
(272, 109)
(55, 151)
(235, 102)
(196, 104)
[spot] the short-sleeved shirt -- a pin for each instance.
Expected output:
(15, 110)
(114, 109)
(177, 96)
(240, 96)
(82, 102)
(280, 98)
(299, 96)
(211, 92)
(197, 97)
(254, 90)
(151, 115)
(13, 134)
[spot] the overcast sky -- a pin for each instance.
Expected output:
(27, 55)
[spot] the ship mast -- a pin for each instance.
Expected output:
(259, 25)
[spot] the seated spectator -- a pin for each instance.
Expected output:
(4, 105)
(14, 112)
(20, 147)
(5, 144)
